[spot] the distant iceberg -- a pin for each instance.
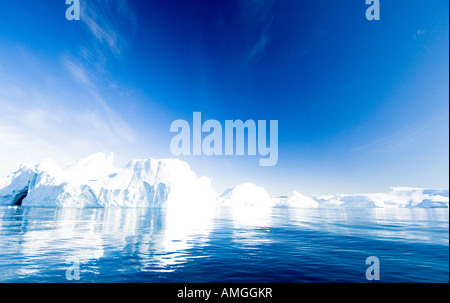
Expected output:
(247, 194)
(95, 182)
(397, 197)
(302, 201)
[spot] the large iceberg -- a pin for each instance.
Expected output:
(95, 182)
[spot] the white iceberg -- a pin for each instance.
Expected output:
(95, 182)
(398, 197)
(299, 200)
(14, 188)
(247, 194)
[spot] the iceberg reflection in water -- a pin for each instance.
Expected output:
(223, 244)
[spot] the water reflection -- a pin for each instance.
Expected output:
(395, 224)
(249, 225)
(39, 237)
(117, 243)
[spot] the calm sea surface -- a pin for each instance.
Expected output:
(225, 245)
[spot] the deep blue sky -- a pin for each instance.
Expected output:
(361, 105)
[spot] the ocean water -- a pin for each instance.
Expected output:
(222, 245)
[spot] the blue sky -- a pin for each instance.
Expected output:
(361, 105)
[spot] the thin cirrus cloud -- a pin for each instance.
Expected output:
(101, 18)
(99, 113)
(78, 73)
(101, 116)
(259, 47)
(403, 137)
(258, 15)
(257, 10)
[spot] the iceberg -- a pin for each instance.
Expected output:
(397, 197)
(299, 200)
(247, 194)
(14, 188)
(95, 182)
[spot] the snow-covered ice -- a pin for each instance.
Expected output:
(170, 183)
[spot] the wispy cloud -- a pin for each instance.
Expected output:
(101, 18)
(111, 23)
(403, 137)
(104, 118)
(258, 16)
(79, 74)
(260, 45)
(257, 10)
